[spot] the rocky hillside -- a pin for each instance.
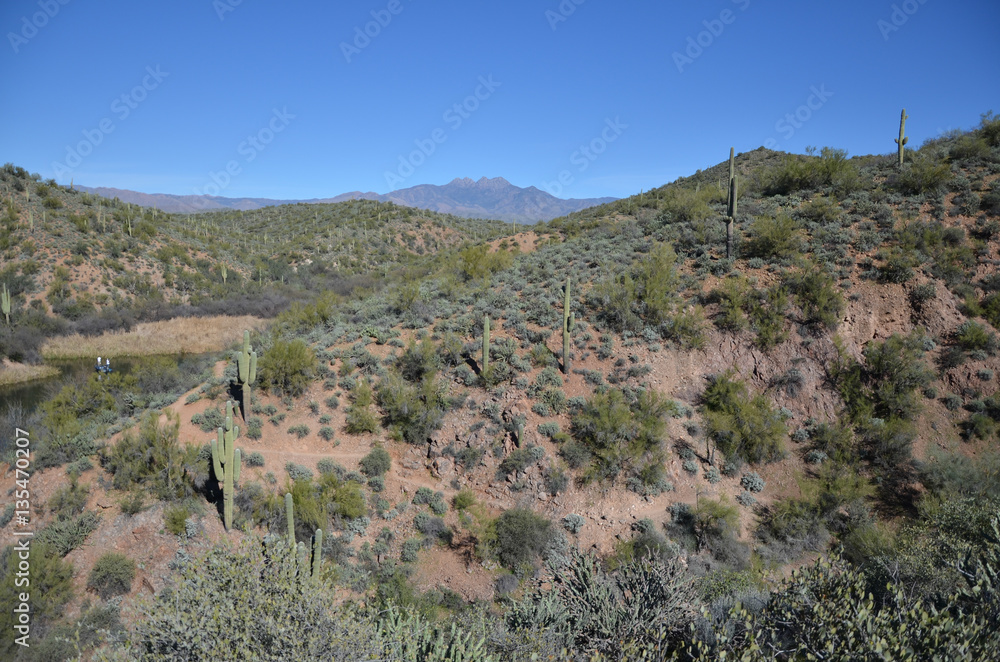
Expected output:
(607, 406)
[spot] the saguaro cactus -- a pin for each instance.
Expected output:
(731, 209)
(225, 273)
(226, 460)
(317, 552)
(567, 328)
(5, 303)
(246, 364)
(902, 140)
(486, 343)
(290, 519)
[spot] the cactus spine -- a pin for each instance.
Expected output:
(246, 364)
(567, 327)
(317, 552)
(486, 343)
(290, 519)
(5, 303)
(901, 140)
(226, 460)
(731, 210)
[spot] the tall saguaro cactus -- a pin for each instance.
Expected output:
(317, 552)
(567, 327)
(5, 303)
(246, 364)
(731, 209)
(226, 460)
(290, 519)
(486, 343)
(902, 140)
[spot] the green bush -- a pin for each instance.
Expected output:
(741, 425)
(773, 238)
(288, 367)
(175, 519)
(51, 587)
(619, 431)
(154, 459)
(521, 537)
(111, 575)
(359, 415)
(817, 295)
(376, 463)
(414, 410)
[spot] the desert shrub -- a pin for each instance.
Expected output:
(920, 175)
(521, 537)
(152, 458)
(359, 415)
(972, 336)
(618, 431)
(300, 431)
(817, 295)
(62, 537)
(255, 427)
(269, 612)
(520, 459)
(575, 454)
(326, 433)
(175, 518)
(254, 459)
(414, 410)
(886, 384)
(742, 425)
(111, 575)
(298, 472)
(644, 602)
(773, 238)
(288, 366)
(376, 463)
(644, 295)
(752, 482)
(51, 587)
(573, 523)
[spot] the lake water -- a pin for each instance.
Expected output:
(31, 394)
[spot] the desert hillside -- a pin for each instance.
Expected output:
(618, 433)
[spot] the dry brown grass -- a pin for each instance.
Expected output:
(182, 335)
(16, 373)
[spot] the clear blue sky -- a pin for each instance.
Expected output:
(158, 97)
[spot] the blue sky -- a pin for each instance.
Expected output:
(582, 98)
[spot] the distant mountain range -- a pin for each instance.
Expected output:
(486, 198)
